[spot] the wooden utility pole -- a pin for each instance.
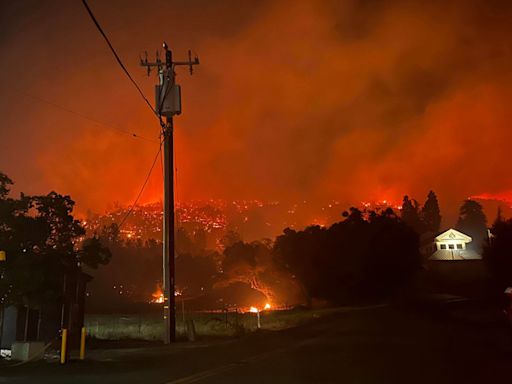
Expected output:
(168, 104)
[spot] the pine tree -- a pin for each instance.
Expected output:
(431, 214)
(499, 216)
(410, 214)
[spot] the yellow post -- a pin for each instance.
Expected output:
(63, 346)
(82, 344)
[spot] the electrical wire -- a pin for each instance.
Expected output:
(132, 134)
(118, 59)
(162, 124)
(132, 207)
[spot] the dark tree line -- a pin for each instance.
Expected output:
(427, 219)
(363, 257)
(422, 219)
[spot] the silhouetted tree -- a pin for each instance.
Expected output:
(497, 253)
(303, 253)
(431, 214)
(40, 236)
(499, 216)
(254, 264)
(247, 263)
(472, 221)
(5, 182)
(410, 214)
(356, 259)
(94, 253)
(230, 237)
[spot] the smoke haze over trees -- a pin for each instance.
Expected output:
(387, 84)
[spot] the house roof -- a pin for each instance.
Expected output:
(453, 234)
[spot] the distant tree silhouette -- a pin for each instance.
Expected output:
(356, 259)
(431, 214)
(499, 216)
(247, 263)
(254, 264)
(410, 214)
(5, 183)
(472, 221)
(497, 253)
(230, 237)
(94, 253)
(304, 254)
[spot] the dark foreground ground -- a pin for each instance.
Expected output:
(456, 342)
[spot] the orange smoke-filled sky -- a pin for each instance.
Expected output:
(349, 100)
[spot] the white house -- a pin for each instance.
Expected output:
(452, 245)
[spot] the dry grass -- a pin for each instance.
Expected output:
(207, 324)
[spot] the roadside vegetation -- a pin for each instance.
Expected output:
(207, 324)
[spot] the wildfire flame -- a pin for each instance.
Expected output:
(256, 310)
(157, 296)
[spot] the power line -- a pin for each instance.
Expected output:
(142, 188)
(84, 2)
(132, 134)
(118, 59)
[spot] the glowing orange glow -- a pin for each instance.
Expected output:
(503, 196)
(157, 296)
(267, 306)
(253, 310)
(400, 106)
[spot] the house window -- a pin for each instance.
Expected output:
(451, 246)
(459, 246)
(443, 246)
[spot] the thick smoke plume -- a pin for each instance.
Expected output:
(354, 100)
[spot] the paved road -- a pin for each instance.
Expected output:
(376, 346)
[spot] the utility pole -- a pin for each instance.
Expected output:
(168, 104)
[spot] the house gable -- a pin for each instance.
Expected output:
(452, 235)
